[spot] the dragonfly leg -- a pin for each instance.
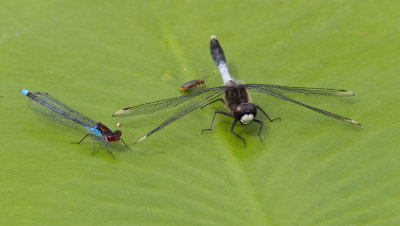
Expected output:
(126, 145)
(233, 126)
(220, 99)
(259, 132)
(267, 115)
(82, 139)
(212, 121)
(105, 148)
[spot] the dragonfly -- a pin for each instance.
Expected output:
(52, 108)
(236, 99)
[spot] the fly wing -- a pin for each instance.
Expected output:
(265, 88)
(196, 102)
(159, 105)
(58, 108)
(276, 93)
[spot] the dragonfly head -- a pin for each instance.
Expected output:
(245, 112)
(115, 136)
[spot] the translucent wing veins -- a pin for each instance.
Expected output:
(306, 90)
(200, 101)
(275, 93)
(154, 106)
(59, 106)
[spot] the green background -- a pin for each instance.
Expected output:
(101, 56)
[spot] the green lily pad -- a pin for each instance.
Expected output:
(99, 57)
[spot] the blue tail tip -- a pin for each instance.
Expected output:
(24, 91)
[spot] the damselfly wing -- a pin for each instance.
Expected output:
(52, 108)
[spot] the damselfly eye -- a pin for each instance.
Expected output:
(118, 133)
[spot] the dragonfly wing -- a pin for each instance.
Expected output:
(196, 102)
(323, 112)
(265, 88)
(159, 105)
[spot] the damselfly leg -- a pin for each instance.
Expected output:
(126, 145)
(83, 138)
(94, 145)
(105, 147)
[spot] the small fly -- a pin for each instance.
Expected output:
(237, 99)
(188, 86)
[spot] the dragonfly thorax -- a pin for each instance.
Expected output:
(245, 113)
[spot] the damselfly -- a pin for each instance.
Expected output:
(49, 106)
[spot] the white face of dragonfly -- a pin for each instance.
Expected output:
(246, 119)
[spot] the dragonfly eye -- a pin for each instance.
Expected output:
(246, 109)
(245, 113)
